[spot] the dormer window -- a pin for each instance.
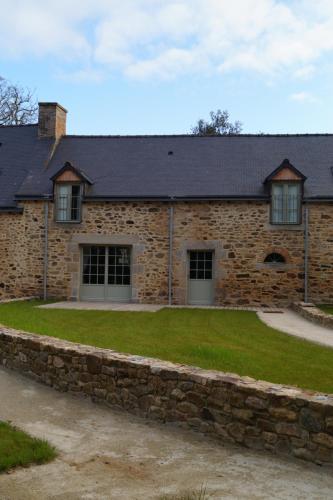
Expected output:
(286, 203)
(70, 184)
(286, 189)
(68, 202)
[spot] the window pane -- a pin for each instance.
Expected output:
(208, 264)
(85, 279)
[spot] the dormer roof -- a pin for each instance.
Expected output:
(285, 172)
(68, 173)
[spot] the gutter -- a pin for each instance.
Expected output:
(15, 210)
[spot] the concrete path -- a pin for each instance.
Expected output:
(288, 321)
(116, 306)
(103, 306)
(105, 454)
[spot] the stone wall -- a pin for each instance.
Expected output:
(321, 253)
(241, 236)
(260, 415)
(239, 233)
(21, 252)
(312, 313)
(143, 226)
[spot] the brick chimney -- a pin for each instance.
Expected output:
(51, 120)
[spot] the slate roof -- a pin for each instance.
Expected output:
(165, 166)
(21, 155)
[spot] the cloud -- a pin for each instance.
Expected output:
(305, 72)
(303, 96)
(84, 75)
(163, 39)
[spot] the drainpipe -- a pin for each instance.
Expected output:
(170, 254)
(306, 254)
(46, 239)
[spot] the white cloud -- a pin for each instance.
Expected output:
(167, 38)
(303, 96)
(84, 75)
(305, 72)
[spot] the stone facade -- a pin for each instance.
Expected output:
(21, 252)
(239, 233)
(260, 415)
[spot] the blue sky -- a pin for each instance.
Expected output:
(156, 66)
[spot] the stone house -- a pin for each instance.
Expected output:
(165, 219)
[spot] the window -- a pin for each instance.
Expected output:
(68, 202)
(106, 265)
(275, 258)
(286, 203)
(201, 265)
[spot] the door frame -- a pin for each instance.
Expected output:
(106, 246)
(188, 271)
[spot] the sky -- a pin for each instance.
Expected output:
(157, 66)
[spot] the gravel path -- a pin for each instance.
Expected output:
(292, 323)
(105, 454)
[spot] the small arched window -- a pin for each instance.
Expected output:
(275, 258)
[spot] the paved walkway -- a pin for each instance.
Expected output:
(102, 306)
(116, 306)
(106, 454)
(292, 323)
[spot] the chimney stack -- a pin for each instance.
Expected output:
(51, 120)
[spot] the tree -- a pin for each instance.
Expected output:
(18, 105)
(219, 124)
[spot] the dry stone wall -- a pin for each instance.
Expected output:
(259, 415)
(311, 312)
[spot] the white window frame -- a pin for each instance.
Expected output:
(63, 204)
(286, 207)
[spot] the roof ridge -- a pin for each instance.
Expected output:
(161, 136)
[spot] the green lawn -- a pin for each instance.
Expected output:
(326, 308)
(19, 449)
(235, 341)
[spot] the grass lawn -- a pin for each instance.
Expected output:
(235, 341)
(19, 449)
(326, 308)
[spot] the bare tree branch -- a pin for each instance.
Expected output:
(18, 106)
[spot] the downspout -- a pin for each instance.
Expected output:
(171, 214)
(306, 254)
(46, 240)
